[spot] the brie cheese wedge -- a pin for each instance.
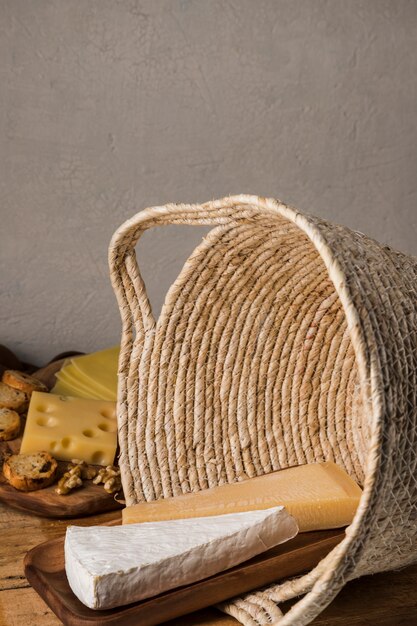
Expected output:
(113, 566)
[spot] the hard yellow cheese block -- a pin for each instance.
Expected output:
(319, 496)
(71, 428)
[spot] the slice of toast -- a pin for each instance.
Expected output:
(13, 398)
(22, 381)
(9, 424)
(29, 472)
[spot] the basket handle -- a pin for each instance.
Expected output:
(126, 279)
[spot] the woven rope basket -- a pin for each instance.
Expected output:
(284, 340)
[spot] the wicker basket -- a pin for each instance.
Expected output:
(284, 340)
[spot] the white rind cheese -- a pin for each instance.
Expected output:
(113, 566)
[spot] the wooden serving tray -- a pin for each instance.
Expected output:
(87, 500)
(45, 570)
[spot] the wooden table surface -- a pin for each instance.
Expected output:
(388, 599)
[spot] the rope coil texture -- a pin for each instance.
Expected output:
(284, 340)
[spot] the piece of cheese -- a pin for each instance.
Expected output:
(100, 367)
(90, 376)
(61, 388)
(66, 387)
(65, 377)
(319, 496)
(113, 566)
(69, 377)
(73, 375)
(71, 428)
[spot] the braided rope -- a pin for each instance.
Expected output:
(284, 340)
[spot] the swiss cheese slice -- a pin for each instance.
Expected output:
(65, 376)
(71, 428)
(63, 389)
(320, 496)
(82, 387)
(100, 367)
(91, 376)
(108, 567)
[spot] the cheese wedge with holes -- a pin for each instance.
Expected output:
(320, 496)
(71, 428)
(113, 566)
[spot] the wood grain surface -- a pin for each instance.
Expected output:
(383, 600)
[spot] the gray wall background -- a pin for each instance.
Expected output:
(110, 106)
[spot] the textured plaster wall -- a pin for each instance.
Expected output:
(110, 106)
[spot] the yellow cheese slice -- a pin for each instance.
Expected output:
(71, 428)
(90, 376)
(70, 381)
(72, 374)
(61, 389)
(100, 367)
(320, 496)
(85, 389)
(66, 387)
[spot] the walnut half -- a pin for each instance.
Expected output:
(87, 471)
(69, 481)
(110, 477)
